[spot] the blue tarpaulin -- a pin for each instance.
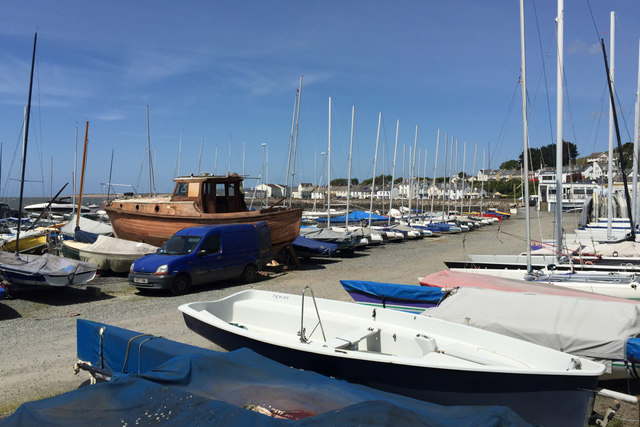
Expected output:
(355, 217)
(306, 247)
(396, 291)
(185, 385)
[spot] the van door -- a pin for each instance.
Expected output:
(239, 250)
(209, 262)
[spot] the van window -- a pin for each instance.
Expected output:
(211, 244)
(180, 245)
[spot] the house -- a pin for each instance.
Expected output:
(272, 190)
(303, 191)
(591, 171)
(488, 175)
(602, 157)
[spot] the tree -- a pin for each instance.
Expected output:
(510, 164)
(627, 154)
(546, 156)
(343, 181)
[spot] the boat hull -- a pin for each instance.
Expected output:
(157, 228)
(530, 396)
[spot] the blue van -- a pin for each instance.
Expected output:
(204, 254)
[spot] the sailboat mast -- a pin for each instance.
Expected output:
(295, 139)
(435, 172)
(84, 161)
(559, 115)
(375, 162)
(149, 148)
(353, 115)
(412, 168)
(393, 172)
(464, 175)
(329, 172)
(636, 143)
(293, 123)
(24, 145)
(75, 171)
(444, 174)
(525, 136)
(612, 41)
(473, 175)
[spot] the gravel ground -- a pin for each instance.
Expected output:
(37, 327)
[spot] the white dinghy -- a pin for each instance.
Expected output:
(418, 356)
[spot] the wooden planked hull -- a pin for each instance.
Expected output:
(156, 228)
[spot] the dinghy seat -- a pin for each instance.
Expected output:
(350, 340)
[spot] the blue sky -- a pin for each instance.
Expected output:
(227, 73)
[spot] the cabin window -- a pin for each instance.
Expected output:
(232, 189)
(194, 189)
(181, 189)
(220, 190)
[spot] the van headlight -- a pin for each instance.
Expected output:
(162, 270)
(132, 267)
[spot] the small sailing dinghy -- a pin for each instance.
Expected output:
(418, 356)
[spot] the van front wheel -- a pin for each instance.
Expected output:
(250, 274)
(181, 285)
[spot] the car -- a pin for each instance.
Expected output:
(204, 254)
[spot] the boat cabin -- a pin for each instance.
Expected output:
(214, 194)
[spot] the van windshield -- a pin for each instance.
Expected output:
(180, 245)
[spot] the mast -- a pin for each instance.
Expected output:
(353, 115)
(24, 146)
(444, 174)
(375, 162)
(559, 115)
(435, 171)
(179, 154)
(632, 234)
(149, 148)
(293, 123)
(464, 175)
(412, 168)
(636, 143)
(75, 172)
(84, 161)
(612, 106)
(200, 156)
(295, 140)
(329, 172)
(473, 174)
(525, 136)
(393, 172)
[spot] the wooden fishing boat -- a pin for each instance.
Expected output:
(418, 356)
(197, 200)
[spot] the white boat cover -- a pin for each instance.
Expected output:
(86, 224)
(448, 279)
(326, 235)
(48, 266)
(619, 249)
(589, 327)
(111, 245)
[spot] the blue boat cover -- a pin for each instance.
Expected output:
(633, 350)
(190, 386)
(85, 236)
(354, 217)
(392, 290)
(310, 247)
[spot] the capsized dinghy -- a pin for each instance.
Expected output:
(418, 356)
